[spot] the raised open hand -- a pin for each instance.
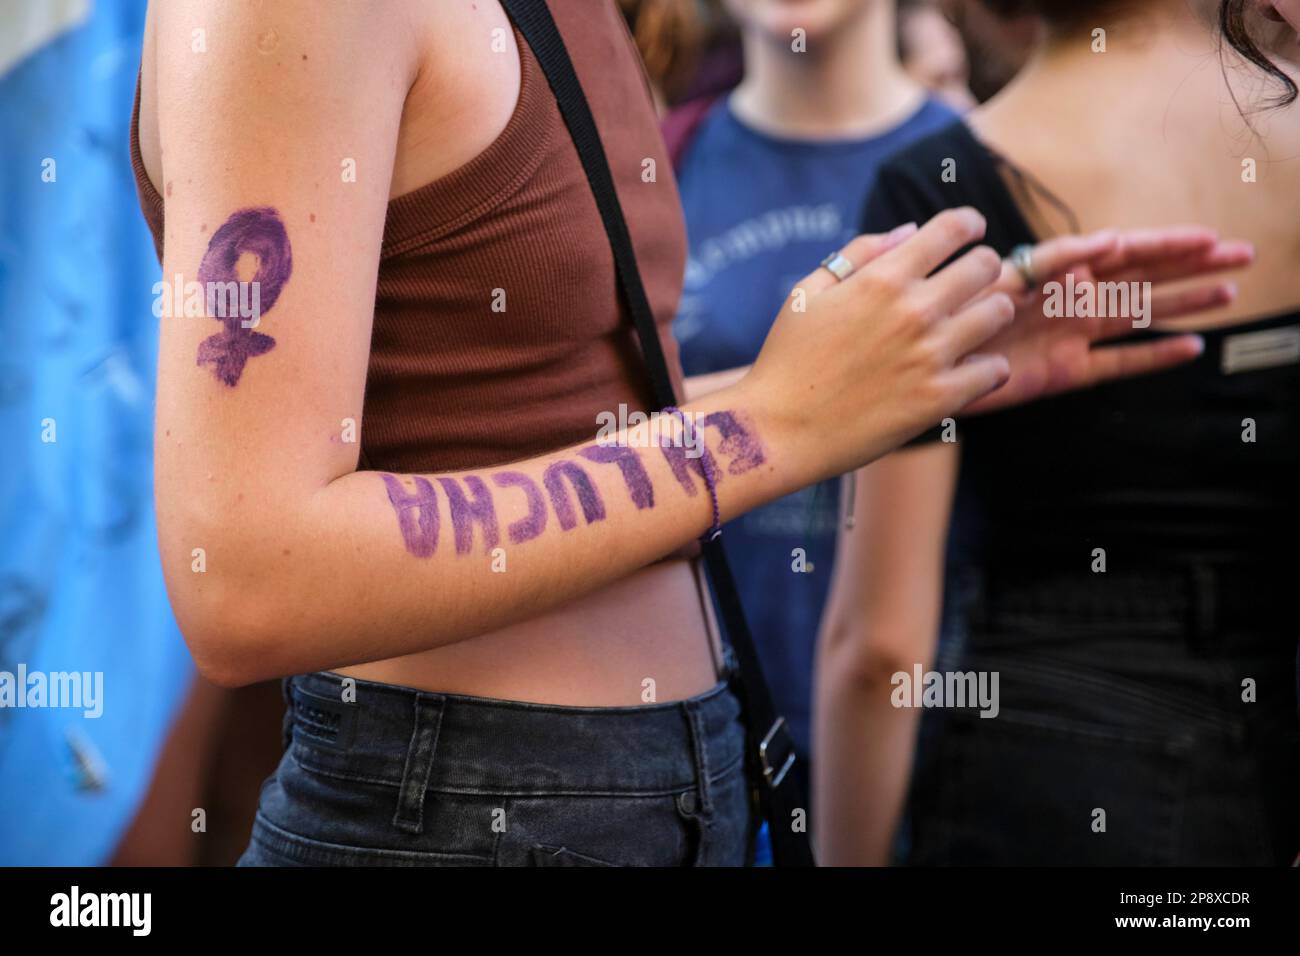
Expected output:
(1083, 292)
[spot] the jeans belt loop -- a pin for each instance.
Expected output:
(699, 748)
(419, 763)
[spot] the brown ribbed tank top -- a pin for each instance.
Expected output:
(451, 383)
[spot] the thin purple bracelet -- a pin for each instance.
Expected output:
(707, 470)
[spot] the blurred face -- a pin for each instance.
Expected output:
(1282, 43)
(1283, 11)
(934, 56)
(998, 47)
(777, 19)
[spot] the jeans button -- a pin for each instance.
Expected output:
(688, 803)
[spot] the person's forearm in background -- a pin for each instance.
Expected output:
(882, 618)
(697, 386)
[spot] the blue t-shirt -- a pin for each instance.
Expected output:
(761, 213)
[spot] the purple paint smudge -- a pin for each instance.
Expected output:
(683, 464)
(593, 509)
(525, 529)
(464, 513)
(260, 232)
(629, 464)
(417, 514)
(742, 445)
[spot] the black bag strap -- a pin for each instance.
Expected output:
(771, 747)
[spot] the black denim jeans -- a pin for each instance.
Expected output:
(1122, 735)
(402, 777)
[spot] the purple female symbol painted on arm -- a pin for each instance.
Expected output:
(260, 232)
(417, 514)
(464, 513)
(593, 509)
(629, 464)
(529, 527)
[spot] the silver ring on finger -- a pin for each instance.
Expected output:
(1022, 259)
(838, 265)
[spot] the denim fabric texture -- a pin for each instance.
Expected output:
(402, 777)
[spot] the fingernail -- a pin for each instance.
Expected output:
(1200, 344)
(901, 233)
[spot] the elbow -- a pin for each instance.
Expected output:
(878, 665)
(226, 639)
(868, 655)
(229, 622)
(218, 667)
(243, 609)
(226, 657)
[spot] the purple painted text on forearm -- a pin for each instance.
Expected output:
(593, 509)
(738, 443)
(629, 465)
(417, 514)
(466, 513)
(527, 528)
(683, 464)
(470, 502)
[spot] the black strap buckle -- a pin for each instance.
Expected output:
(772, 775)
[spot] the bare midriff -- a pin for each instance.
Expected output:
(644, 639)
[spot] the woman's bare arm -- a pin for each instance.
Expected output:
(697, 386)
(882, 618)
(279, 556)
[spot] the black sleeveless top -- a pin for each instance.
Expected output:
(1155, 469)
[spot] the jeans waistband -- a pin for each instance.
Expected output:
(404, 737)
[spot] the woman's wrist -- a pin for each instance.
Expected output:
(751, 446)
